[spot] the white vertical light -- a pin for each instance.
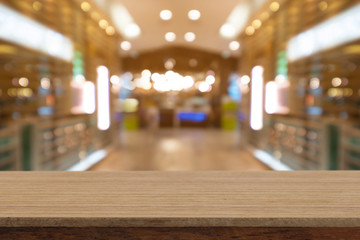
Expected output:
(271, 97)
(103, 114)
(256, 108)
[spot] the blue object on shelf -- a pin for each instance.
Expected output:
(192, 116)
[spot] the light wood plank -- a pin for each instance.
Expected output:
(180, 199)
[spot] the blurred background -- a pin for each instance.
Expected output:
(109, 85)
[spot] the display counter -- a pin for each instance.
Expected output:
(180, 205)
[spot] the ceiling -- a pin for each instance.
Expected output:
(145, 13)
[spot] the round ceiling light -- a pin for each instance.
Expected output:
(125, 45)
(132, 30)
(190, 36)
(234, 45)
(194, 15)
(227, 30)
(166, 15)
(170, 36)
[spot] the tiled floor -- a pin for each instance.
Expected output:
(180, 150)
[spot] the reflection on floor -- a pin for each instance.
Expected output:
(179, 150)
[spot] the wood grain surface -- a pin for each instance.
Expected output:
(180, 199)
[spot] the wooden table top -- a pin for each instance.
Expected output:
(180, 199)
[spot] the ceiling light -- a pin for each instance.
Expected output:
(194, 15)
(236, 22)
(132, 30)
(234, 45)
(250, 30)
(190, 36)
(85, 6)
(170, 36)
(123, 21)
(37, 5)
(227, 30)
(256, 23)
(103, 23)
(110, 30)
(170, 63)
(166, 15)
(125, 45)
(274, 6)
(323, 5)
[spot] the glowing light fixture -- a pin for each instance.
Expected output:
(314, 83)
(166, 15)
(89, 97)
(194, 15)
(24, 82)
(256, 23)
(341, 29)
(323, 5)
(276, 96)
(236, 22)
(170, 36)
(188, 82)
(227, 30)
(103, 101)
(103, 23)
(16, 28)
(245, 80)
(170, 63)
(204, 87)
(125, 45)
(83, 96)
(336, 82)
(234, 45)
(37, 6)
(190, 36)
(146, 73)
(45, 83)
(110, 30)
(250, 30)
(124, 22)
(132, 30)
(210, 80)
(274, 6)
(271, 97)
(256, 108)
(115, 80)
(85, 6)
